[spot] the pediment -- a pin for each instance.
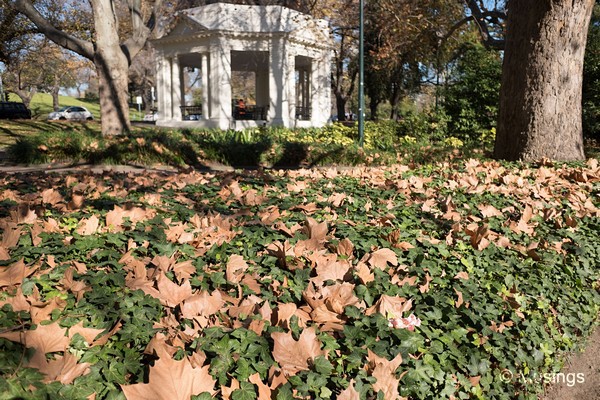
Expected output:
(185, 27)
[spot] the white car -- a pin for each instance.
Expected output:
(71, 113)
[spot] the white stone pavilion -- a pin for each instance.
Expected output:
(286, 53)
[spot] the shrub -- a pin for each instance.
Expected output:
(471, 98)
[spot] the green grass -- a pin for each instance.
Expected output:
(41, 105)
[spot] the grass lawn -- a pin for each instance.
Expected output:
(40, 106)
(468, 280)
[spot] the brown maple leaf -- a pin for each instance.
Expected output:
(294, 356)
(63, 369)
(89, 334)
(333, 270)
(390, 306)
(17, 301)
(88, 226)
(364, 273)
(349, 393)
(385, 372)
(382, 257)
(172, 294)
(264, 391)
(14, 273)
(202, 304)
(236, 266)
(41, 311)
(173, 380)
(44, 339)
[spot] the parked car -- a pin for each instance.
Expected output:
(14, 110)
(71, 113)
(151, 117)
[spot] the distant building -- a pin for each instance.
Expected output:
(286, 52)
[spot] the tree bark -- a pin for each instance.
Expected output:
(112, 66)
(54, 92)
(540, 97)
(110, 55)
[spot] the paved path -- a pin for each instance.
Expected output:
(580, 378)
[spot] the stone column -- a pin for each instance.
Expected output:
(177, 88)
(321, 88)
(205, 86)
(281, 83)
(168, 90)
(220, 84)
(160, 86)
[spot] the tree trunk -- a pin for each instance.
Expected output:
(112, 66)
(540, 97)
(54, 92)
(113, 92)
(395, 97)
(340, 102)
(373, 105)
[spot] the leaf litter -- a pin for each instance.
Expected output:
(315, 283)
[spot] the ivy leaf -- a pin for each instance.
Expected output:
(245, 392)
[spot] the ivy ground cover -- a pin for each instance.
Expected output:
(465, 281)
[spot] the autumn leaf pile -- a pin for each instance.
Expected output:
(358, 283)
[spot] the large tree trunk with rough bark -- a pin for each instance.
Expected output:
(540, 97)
(112, 67)
(110, 53)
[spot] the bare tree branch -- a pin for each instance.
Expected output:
(480, 15)
(81, 47)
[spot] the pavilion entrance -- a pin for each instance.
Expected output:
(233, 67)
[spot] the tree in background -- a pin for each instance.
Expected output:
(142, 77)
(26, 69)
(591, 79)
(408, 43)
(107, 41)
(343, 18)
(471, 95)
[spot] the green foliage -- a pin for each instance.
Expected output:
(419, 136)
(472, 95)
(591, 79)
(548, 298)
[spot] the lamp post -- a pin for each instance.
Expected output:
(361, 76)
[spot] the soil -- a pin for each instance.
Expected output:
(580, 377)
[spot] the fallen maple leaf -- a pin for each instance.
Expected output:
(202, 303)
(294, 356)
(385, 372)
(89, 334)
(227, 391)
(63, 369)
(459, 301)
(349, 393)
(264, 391)
(14, 274)
(45, 338)
(236, 266)
(88, 226)
(172, 294)
(390, 307)
(382, 257)
(173, 380)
